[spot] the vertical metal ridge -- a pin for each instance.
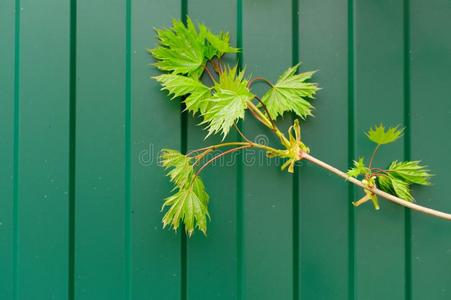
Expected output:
(295, 199)
(351, 150)
(72, 145)
(127, 158)
(184, 146)
(407, 146)
(239, 177)
(16, 145)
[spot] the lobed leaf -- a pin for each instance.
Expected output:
(187, 205)
(190, 202)
(380, 136)
(290, 93)
(219, 43)
(181, 49)
(358, 169)
(179, 165)
(411, 172)
(185, 50)
(400, 175)
(178, 85)
(228, 103)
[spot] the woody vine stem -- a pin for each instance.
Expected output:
(191, 57)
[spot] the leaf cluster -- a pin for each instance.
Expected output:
(187, 54)
(400, 175)
(189, 203)
(186, 51)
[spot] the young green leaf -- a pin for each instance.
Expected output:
(185, 50)
(181, 49)
(220, 43)
(401, 188)
(400, 175)
(178, 85)
(410, 171)
(358, 169)
(190, 203)
(379, 136)
(178, 165)
(393, 185)
(228, 103)
(290, 93)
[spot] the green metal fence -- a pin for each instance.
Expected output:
(80, 122)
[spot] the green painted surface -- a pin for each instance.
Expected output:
(42, 126)
(379, 68)
(386, 61)
(324, 217)
(154, 123)
(7, 100)
(267, 224)
(430, 115)
(101, 257)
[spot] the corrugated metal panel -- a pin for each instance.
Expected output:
(81, 125)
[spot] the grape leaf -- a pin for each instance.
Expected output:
(290, 93)
(220, 43)
(401, 188)
(178, 85)
(181, 49)
(185, 50)
(379, 136)
(410, 171)
(400, 175)
(228, 103)
(179, 165)
(188, 205)
(190, 202)
(358, 169)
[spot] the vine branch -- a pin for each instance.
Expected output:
(397, 200)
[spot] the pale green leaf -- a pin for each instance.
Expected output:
(189, 204)
(228, 103)
(401, 188)
(393, 185)
(384, 183)
(181, 49)
(380, 136)
(178, 85)
(291, 93)
(189, 207)
(410, 171)
(220, 43)
(358, 169)
(178, 165)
